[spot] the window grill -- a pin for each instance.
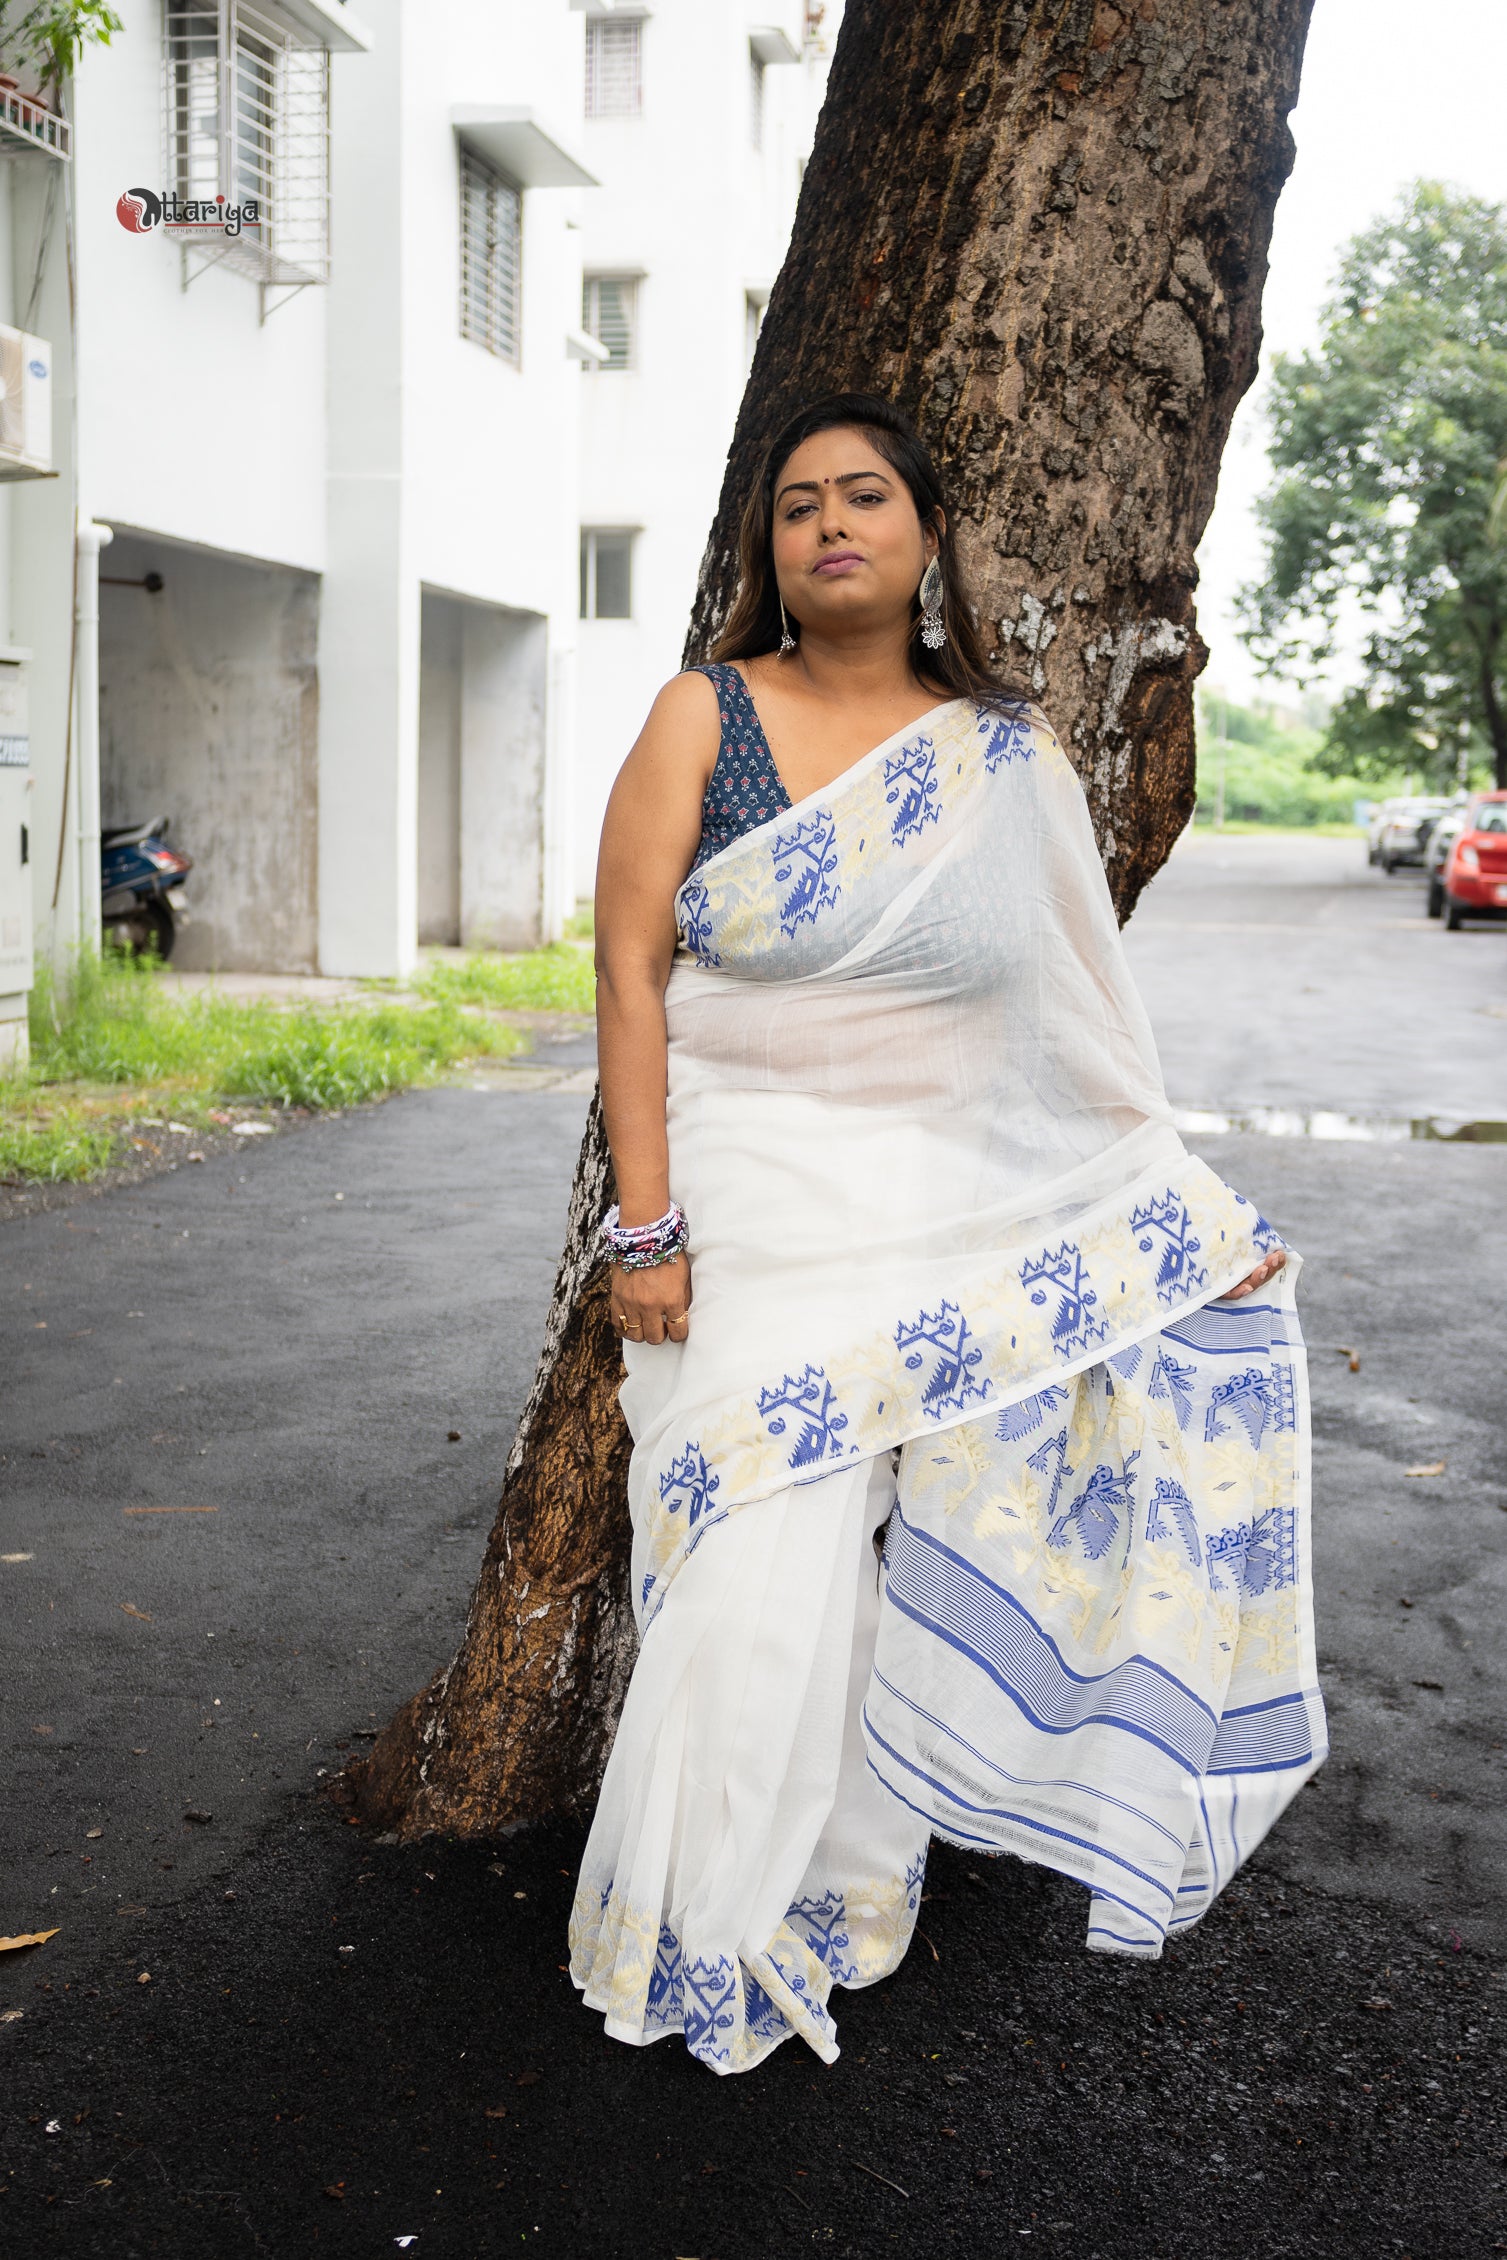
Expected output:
(606, 573)
(491, 257)
(753, 322)
(248, 121)
(609, 313)
(756, 99)
(614, 66)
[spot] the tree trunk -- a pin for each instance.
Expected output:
(1043, 226)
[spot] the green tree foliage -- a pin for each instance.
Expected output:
(1390, 441)
(52, 34)
(1258, 764)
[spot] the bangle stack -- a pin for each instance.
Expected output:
(639, 1247)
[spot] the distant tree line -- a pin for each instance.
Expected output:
(1389, 509)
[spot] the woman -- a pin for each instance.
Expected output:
(970, 1493)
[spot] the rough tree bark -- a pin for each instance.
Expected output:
(1043, 226)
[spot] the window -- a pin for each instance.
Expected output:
(756, 99)
(609, 313)
(614, 66)
(491, 244)
(753, 322)
(606, 573)
(248, 118)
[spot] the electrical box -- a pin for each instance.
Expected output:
(17, 826)
(25, 405)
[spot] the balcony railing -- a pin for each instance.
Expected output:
(26, 121)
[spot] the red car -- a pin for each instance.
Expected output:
(1475, 875)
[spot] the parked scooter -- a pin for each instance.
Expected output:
(138, 871)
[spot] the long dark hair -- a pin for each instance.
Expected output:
(753, 626)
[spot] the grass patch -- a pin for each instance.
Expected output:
(121, 1044)
(561, 979)
(54, 1144)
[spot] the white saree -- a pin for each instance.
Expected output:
(954, 1275)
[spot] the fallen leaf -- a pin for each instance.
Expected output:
(1435, 1685)
(527, 2079)
(28, 1938)
(11, 2016)
(128, 1610)
(1403, 1602)
(1378, 2002)
(452, 1436)
(193, 1813)
(17, 1557)
(1435, 1467)
(334, 2189)
(497, 2111)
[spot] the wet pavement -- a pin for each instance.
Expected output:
(312, 1355)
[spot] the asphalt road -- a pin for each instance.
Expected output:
(288, 1337)
(1284, 972)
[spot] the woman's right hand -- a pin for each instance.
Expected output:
(652, 1305)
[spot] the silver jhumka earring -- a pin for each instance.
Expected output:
(933, 633)
(787, 640)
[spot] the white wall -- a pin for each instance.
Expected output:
(449, 468)
(356, 436)
(195, 418)
(706, 217)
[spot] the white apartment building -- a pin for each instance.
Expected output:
(699, 118)
(309, 569)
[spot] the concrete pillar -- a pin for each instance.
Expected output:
(91, 540)
(42, 519)
(369, 613)
(504, 695)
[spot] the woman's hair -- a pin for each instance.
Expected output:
(753, 626)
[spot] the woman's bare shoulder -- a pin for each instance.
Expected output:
(684, 726)
(686, 699)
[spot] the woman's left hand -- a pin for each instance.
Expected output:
(1266, 1269)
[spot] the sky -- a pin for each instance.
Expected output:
(1391, 92)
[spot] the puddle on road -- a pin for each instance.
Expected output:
(1372, 1129)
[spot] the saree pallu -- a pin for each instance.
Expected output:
(954, 1273)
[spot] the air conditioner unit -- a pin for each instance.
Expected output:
(25, 406)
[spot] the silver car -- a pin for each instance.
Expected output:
(1399, 831)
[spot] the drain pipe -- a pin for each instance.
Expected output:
(92, 539)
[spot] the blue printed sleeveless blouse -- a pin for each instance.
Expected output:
(744, 789)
